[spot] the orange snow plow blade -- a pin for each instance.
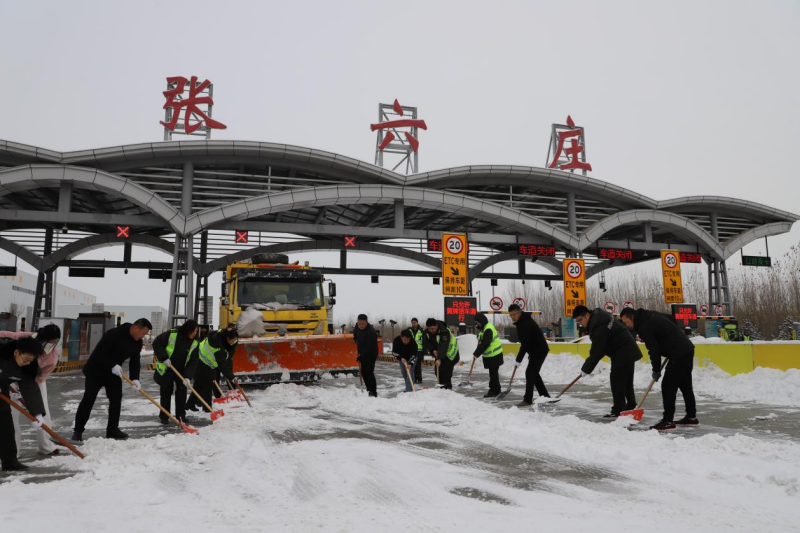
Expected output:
(294, 358)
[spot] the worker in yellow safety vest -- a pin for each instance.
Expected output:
(442, 344)
(417, 335)
(215, 352)
(175, 348)
(491, 349)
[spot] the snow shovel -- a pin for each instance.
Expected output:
(180, 424)
(505, 392)
(49, 431)
(214, 414)
(638, 413)
(544, 399)
(410, 379)
(241, 391)
(468, 383)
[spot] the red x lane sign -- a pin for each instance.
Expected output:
(349, 242)
(242, 236)
(123, 232)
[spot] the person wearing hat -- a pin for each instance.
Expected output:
(214, 352)
(18, 367)
(175, 348)
(443, 346)
(418, 333)
(491, 349)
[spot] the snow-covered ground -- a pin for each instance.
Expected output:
(328, 458)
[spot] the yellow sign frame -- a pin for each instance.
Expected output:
(574, 284)
(455, 264)
(671, 272)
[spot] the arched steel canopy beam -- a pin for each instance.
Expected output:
(374, 194)
(320, 246)
(104, 240)
(682, 225)
(734, 244)
(550, 263)
(30, 177)
(20, 251)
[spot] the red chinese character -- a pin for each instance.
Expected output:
(573, 151)
(177, 103)
(401, 123)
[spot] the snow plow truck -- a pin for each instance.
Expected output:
(295, 343)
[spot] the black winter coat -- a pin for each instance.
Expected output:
(366, 342)
(23, 376)
(115, 348)
(662, 337)
(531, 338)
(609, 337)
(224, 356)
(404, 351)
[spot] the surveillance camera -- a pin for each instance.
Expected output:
(65, 229)
(126, 270)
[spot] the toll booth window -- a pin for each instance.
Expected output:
(300, 293)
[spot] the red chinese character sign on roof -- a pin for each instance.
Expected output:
(397, 130)
(573, 156)
(195, 117)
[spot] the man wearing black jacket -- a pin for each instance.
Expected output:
(533, 343)
(663, 338)
(610, 337)
(176, 348)
(104, 370)
(366, 339)
(18, 366)
(405, 350)
(443, 346)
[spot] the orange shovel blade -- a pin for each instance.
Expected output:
(637, 414)
(188, 429)
(217, 414)
(224, 399)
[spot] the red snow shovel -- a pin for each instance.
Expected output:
(49, 431)
(214, 414)
(180, 424)
(638, 413)
(240, 391)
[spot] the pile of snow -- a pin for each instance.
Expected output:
(339, 461)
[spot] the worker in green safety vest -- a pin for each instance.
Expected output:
(442, 344)
(491, 349)
(417, 334)
(215, 352)
(175, 348)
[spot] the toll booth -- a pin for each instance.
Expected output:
(8, 322)
(97, 325)
(726, 327)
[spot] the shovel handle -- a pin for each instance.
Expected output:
(241, 390)
(219, 388)
(652, 382)
(573, 382)
(360, 376)
(143, 393)
(512, 378)
(471, 368)
(180, 377)
(49, 431)
(410, 379)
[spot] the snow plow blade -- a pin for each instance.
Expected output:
(292, 359)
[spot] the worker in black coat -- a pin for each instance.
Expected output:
(175, 348)
(442, 344)
(405, 350)
(532, 343)
(214, 353)
(663, 338)
(366, 339)
(18, 368)
(491, 349)
(104, 370)
(610, 337)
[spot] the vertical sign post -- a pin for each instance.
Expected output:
(455, 268)
(574, 285)
(671, 268)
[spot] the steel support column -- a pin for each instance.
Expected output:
(43, 299)
(180, 294)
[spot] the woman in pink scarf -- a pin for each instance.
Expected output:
(50, 338)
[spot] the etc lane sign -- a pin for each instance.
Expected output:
(574, 285)
(455, 267)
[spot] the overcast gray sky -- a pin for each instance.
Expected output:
(677, 98)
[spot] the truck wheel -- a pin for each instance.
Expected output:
(275, 259)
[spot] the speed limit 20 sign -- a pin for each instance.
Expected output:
(455, 267)
(671, 268)
(574, 285)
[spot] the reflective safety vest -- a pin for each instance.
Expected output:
(496, 347)
(208, 352)
(161, 368)
(418, 338)
(452, 349)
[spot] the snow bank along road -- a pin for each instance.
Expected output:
(328, 458)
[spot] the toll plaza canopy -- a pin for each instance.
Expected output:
(221, 201)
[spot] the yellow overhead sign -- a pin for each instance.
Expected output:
(671, 268)
(455, 267)
(574, 284)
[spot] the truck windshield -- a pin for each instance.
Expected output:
(297, 292)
